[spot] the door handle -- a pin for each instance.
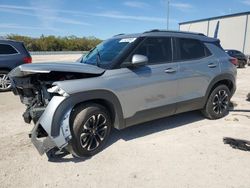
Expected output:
(212, 65)
(170, 70)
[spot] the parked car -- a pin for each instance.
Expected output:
(242, 59)
(12, 54)
(124, 81)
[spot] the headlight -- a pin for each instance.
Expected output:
(57, 89)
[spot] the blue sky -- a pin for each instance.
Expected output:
(105, 18)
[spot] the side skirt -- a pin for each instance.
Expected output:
(165, 111)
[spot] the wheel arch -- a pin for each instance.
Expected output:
(103, 102)
(224, 79)
(104, 97)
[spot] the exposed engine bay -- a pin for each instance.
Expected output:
(36, 91)
(38, 86)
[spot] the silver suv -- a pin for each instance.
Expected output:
(125, 80)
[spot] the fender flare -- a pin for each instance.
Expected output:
(221, 77)
(85, 96)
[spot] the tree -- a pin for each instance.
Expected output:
(53, 43)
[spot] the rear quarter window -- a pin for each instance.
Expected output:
(190, 49)
(6, 49)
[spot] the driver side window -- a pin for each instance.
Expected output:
(157, 49)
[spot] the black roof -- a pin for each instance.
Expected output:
(4, 40)
(217, 17)
(161, 33)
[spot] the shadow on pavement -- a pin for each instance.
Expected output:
(140, 130)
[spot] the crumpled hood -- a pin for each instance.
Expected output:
(35, 68)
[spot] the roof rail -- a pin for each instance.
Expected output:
(184, 32)
(154, 30)
(118, 34)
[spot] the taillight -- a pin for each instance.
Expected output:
(234, 61)
(27, 60)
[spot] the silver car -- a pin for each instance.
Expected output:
(124, 81)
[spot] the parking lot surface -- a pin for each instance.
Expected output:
(185, 150)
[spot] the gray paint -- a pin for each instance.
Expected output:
(52, 67)
(133, 90)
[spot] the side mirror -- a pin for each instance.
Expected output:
(139, 60)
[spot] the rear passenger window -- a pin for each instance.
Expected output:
(157, 49)
(6, 49)
(191, 49)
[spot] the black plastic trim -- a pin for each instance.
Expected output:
(77, 98)
(165, 111)
(221, 77)
(151, 114)
(190, 105)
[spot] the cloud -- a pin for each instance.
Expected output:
(117, 15)
(136, 4)
(45, 12)
(40, 11)
(246, 2)
(46, 20)
(16, 26)
(65, 20)
(108, 14)
(181, 6)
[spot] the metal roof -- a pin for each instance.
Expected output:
(217, 17)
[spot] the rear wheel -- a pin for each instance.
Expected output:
(217, 105)
(91, 125)
(242, 64)
(5, 84)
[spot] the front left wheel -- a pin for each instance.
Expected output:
(5, 84)
(90, 128)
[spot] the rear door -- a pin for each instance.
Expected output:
(197, 68)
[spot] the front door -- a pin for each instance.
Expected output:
(149, 92)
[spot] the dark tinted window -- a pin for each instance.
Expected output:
(237, 52)
(7, 49)
(191, 49)
(158, 50)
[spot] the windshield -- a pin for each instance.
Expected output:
(104, 54)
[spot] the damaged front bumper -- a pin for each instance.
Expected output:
(43, 145)
(46, 143)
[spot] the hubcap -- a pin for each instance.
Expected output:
(220, 102)
(94, 132)
(4, 82)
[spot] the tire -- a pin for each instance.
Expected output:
(217, 105)
(5, 84)
(242, 64)
(90, 129)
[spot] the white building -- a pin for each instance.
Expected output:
(233, 30)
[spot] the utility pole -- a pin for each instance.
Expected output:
(168, 15)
